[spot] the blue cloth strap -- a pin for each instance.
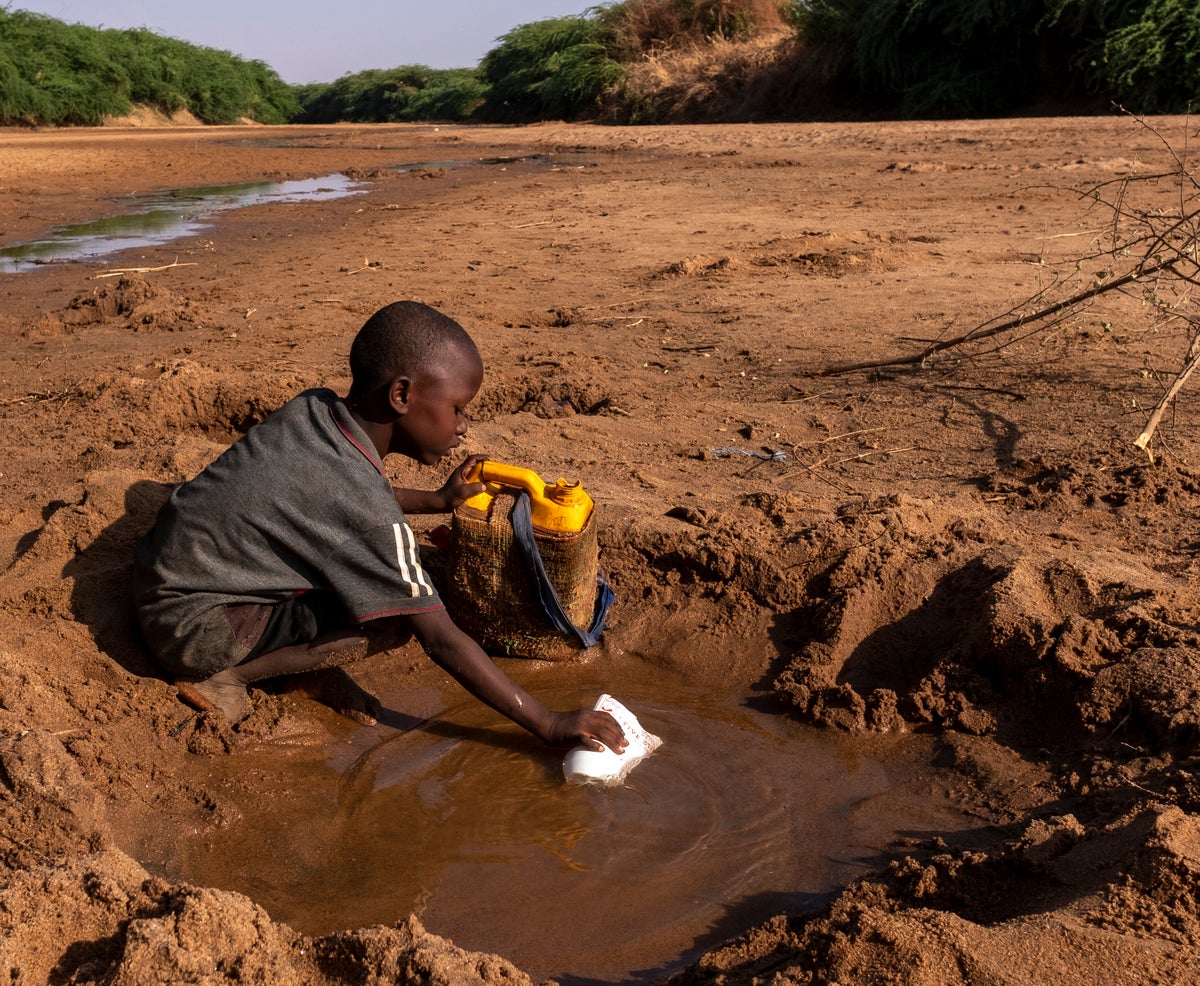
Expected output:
(522, 525)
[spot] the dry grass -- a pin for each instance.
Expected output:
(712, 81)
(643, 27)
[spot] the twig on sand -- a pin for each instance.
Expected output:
(615, 304)
(815, 471)
(845, 434)
(60, 395)
(1164, 245)
(876, 451)
(804, 400)
(142, 270)
(367, 265)
(632, 319)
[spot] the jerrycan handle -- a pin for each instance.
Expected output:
(561, 506)
(490, 471)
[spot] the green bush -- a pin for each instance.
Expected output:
(1152, 63)
(964, 57)
(405, 94)
(57, 73)
(550, 69)
(994, 56)
(452, 94)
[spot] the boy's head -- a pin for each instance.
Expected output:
(415, 370)
(406, 339)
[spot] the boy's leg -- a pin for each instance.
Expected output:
(303, 635)
(225, 692)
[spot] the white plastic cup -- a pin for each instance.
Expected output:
(604, 767)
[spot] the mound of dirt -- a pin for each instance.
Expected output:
(966, 917)
(131, 300)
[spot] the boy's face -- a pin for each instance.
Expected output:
(434, 420)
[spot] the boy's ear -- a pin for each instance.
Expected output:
(398, 394)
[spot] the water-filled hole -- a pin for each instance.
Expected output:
(468, 822)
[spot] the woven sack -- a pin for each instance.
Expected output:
(490, 592)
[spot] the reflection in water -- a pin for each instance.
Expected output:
(166, 217)
(506, 857)
(188, 211)
(468, 822)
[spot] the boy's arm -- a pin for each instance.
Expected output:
(456, 489)
(465, 661)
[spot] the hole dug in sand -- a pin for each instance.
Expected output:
(957, 666)
(469, 824)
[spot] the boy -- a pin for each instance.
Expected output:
(287, 550)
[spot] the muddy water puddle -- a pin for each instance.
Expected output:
(468, 822)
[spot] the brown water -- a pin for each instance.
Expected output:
(468, 822)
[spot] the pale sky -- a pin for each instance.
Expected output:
(309, 41)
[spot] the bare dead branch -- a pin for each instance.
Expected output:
(985, 331)
(1189, 365)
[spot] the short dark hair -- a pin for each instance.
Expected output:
(404, 338)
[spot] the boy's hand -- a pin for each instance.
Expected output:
(586, 727)
(457, 487)
(465, 661)
(453, 491)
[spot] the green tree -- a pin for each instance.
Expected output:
(406, 94)
(930, 56)
(1151, 63)
(550, 69)
(993, 56)
(52, 72)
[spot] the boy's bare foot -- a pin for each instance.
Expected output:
(312, 668)
(335, 688)
(220, 693)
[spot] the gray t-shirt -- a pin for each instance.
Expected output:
(301, 502)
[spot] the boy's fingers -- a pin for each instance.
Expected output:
(469, 463)
(608, 732)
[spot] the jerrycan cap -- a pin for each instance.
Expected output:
(569, 494)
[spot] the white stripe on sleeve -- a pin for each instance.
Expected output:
(409, 561)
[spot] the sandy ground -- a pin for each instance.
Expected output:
(971, 550)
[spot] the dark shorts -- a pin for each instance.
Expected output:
(234, 633)
(262, 628)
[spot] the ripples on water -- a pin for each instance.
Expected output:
(468, 822)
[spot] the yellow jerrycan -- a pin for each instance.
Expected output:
(523, 575)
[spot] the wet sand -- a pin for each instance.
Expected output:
(965, 568)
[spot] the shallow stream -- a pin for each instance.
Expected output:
(166, 217)
(467, 822)
(172, 215)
